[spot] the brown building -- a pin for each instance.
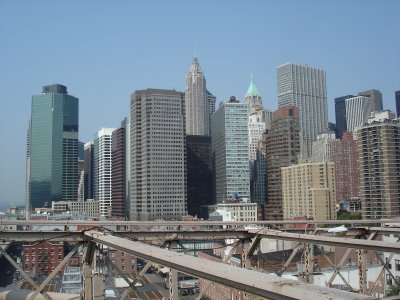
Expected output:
(344, 155)
(41, 259)
(378, 149)
(118, 172)
(282, 150)
(124, 262)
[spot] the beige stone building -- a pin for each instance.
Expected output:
(308, 190)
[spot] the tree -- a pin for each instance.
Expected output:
(393, 290)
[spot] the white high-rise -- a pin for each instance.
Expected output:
(357, 111)
(305, 87)
(158, 155)
(197, 101)
(102, 169)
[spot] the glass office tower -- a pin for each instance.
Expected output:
(53, 147)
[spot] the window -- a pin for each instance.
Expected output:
(397, 264)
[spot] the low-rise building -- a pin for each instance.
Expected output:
(89, 207)
(236, 209)
(40, 259)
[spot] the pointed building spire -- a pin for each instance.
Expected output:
(252, 90)
(195, 66)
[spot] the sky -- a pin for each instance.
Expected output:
(104, 50)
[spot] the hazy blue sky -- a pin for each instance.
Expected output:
(104, 50)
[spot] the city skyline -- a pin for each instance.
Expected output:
(107, 53)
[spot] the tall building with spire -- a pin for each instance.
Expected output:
(253, 97)
(197, 117)
(52, 147)
(197, 101)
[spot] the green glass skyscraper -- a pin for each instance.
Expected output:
(52, 156)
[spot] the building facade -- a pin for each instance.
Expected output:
(282, 150)
(357, 111)
(340, 115)
(305, 87)
(237, 210)
(376, 99)
(397, 98)
(308, 190)
(89, 207)
(378, 150)
(199, 174)
(158, 155)
(53, 147)
(230, 151)
(344, 154)
(321, 147)
(256, 129)
(40, 259)
(102, 170)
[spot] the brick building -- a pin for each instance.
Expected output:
(40, 259)
(344, 155)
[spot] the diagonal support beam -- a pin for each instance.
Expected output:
(253, 246)
(344, 259)
(289, 261)
(15, 265)
(224, 260)
(249, 281)
(333, 265)
(135, 280)
(57, 269)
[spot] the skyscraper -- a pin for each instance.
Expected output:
(256, 125)
(102, 166)
(256, 129)
(197, 101)
(53, 147)
(230, 150)
(158, 155)
(357, 111)
(376, 99)
(344, 155)
(282, 150)
(88, 170)
(211, 99)
(199, 175)
(340, 115)
(118, 172)
(305, 87)
(378, 150)
(397, 96)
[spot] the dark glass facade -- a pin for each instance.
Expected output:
(199, 180)
(88, 170)
(53, 174)
(397, 95)
(340, 114)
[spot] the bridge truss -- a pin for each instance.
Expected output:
(157, 243)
